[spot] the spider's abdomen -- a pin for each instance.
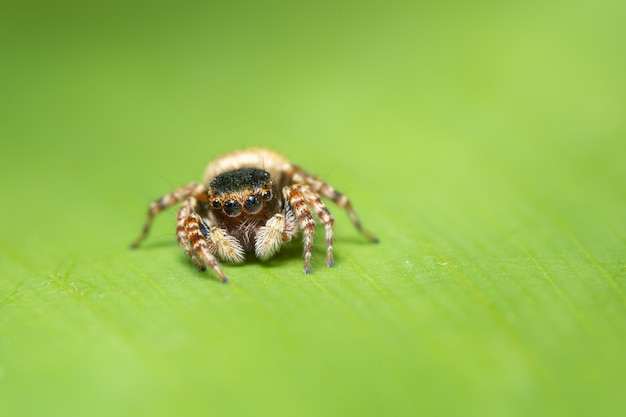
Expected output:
(264, 159)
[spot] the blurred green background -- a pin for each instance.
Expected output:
(483, 142)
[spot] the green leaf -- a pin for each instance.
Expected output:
(483, 145)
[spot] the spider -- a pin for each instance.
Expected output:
(252, 201)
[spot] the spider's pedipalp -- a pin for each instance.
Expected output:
(224, 245)
(270, 237)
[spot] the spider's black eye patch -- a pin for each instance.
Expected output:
(239, 179)
(232, 208)
(252, 204)
(216, 204)
(267, 195)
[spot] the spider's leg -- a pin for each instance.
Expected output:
(296, 201)
(324, 215)
(183, 234)
(194, 236)
(166, 201)
(299, 175)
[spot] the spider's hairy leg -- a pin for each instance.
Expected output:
(166, 201)
(182, 233)
(192, 232)
(326, 190)
(325, 217)
(296, 200)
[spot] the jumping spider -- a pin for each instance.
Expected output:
(251, 201)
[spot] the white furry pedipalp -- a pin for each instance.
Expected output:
(227, 246)
(269, 238)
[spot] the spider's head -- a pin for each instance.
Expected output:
(241, 191)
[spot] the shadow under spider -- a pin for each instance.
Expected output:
(288, 252)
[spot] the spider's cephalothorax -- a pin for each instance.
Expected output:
(251, 201)
(243, 200)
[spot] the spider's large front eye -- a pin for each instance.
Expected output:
(252, 204)
(232, 208)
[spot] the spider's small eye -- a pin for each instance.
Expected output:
(252, 204)
(216, 204)
(267, 195)
(232, 208)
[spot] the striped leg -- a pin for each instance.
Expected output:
(324, 215)
(183, 234)
(296, 201)
(193, 235)
(326, 190)
(164, 202)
